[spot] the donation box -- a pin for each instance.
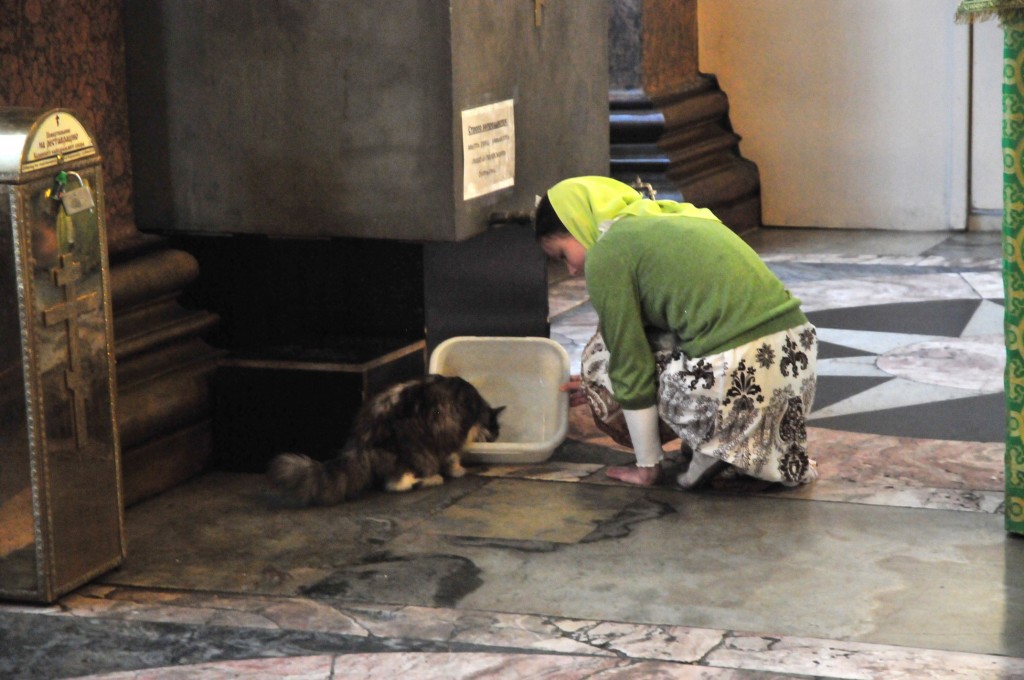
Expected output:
(61, 517)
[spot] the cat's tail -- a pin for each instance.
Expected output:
(311, 482)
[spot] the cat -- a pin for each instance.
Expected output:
(409, 435)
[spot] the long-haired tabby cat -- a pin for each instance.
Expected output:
(406, 436)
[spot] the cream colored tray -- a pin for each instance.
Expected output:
(522, 374)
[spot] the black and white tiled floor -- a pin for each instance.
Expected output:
(893, 565)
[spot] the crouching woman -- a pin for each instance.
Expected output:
(697, 338)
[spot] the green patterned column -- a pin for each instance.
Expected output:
(1013, 268)
(1011, 15)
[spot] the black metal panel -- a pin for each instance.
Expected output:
(280, 298)
(494, 284)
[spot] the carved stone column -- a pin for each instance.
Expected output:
(670, 122)
(164, 371)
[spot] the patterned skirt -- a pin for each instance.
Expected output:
(746, 406)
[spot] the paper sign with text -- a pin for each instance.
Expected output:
(488, 149)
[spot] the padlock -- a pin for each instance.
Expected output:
(79, 199)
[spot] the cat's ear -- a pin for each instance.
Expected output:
(497, 410)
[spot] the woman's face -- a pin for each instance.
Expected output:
(567, 249)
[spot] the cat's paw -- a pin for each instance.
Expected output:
(406, 482)
(432, 480)
(453, 467)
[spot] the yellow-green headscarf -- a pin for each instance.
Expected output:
(588, 206)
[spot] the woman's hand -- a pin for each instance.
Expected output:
(574, 388)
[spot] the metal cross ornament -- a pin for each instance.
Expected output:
(67, 277)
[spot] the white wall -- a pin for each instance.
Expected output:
(855, 111)
(986, 127)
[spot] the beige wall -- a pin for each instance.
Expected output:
(856, 111)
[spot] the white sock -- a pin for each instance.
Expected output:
(702, 468)
(643, 431)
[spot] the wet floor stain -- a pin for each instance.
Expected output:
(435, 579)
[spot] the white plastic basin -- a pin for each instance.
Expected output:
(521, 374)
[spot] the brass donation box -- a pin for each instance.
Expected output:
(61, 517)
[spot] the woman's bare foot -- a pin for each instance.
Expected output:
(631, 474)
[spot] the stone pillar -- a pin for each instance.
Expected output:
(670, 122)
(74, 58)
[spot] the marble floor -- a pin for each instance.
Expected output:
(894, 564)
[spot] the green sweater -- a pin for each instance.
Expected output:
(691, 276)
